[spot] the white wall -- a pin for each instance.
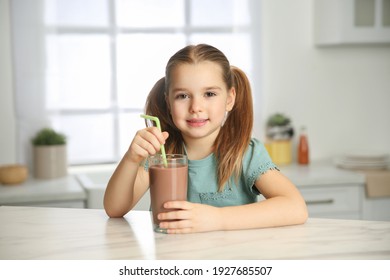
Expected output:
(7, 116)
(342, 94)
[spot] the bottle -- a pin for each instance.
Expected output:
(303, 147)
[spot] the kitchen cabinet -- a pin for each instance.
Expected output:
(63, 192)
(377, 209)
(334, 201)
(329, 192)
(94, 184)
(351, 22)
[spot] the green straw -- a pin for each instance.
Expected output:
(157, 121)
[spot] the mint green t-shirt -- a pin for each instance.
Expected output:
(203, 185)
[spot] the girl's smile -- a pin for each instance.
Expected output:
(197, 122)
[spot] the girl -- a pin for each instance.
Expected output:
(205, 109)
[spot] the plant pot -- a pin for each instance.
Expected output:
(50, 162)
(280, 151)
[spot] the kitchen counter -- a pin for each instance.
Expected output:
(321, 173)
(60, 192)
(55, 233)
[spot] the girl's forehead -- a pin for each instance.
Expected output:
(205, 71)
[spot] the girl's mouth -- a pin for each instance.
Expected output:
(197, 122)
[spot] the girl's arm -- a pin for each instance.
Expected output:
(283, 205)
(130, 181)
(125, 187)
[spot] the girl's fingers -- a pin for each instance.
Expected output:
(179, 230)
(146, 142)
(149, 136)
(177, 226)
(150, 139)
(174, 215)
(154, 131)
(177, 204)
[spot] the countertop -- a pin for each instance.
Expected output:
(322, 172)
(35, 191)
(56, 233)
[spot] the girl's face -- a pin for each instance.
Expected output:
(198, 100)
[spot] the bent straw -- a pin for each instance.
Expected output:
(157, 121)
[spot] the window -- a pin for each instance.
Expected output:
(100, 58)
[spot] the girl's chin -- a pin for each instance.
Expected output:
(198, 133)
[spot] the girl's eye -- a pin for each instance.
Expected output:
(210, 94)
(181, 96)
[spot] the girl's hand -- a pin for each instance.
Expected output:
(146, 142)
(190, 218)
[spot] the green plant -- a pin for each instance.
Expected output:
(48, 136)
(279, 127)
(278, 120)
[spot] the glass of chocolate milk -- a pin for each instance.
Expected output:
(168, 182)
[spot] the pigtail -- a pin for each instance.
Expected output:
(156, 105)
(235, 134)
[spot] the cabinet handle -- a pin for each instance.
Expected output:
(315, 202)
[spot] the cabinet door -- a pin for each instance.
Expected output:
(340, 202)
(377, 209)
(351, 22)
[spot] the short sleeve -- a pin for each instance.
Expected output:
(255, 163)
(145, 164)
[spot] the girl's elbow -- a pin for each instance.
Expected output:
(304, 217)
(113, 212)
(303, 213)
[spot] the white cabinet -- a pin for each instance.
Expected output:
(377, 209)
(329, 192)
(94, 184)
(333, 201)
(338, 22)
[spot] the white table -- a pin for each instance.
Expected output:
(55, 233)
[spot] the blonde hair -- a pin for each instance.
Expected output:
(234, 136)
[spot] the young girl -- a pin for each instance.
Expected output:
(205, 109)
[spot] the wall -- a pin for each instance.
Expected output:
(7, 116)
(342, 94)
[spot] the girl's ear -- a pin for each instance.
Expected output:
(231, 99)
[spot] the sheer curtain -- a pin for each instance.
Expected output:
(84, 67)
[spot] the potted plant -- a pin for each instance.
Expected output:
(50, 159)
(279, 134)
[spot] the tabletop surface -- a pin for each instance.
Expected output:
(60, 233)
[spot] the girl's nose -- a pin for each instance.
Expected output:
(196, 105)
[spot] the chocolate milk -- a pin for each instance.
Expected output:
(166, 184)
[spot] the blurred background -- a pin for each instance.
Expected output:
(85, 67)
